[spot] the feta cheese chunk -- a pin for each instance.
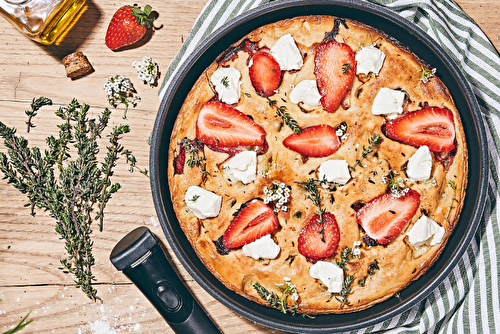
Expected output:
(203, 203)
(306, 92)
(334, 171)
(425, 231)
(263, 248)
(226, 81)
(242, 167)
(420, 164)
(329, 274)
(287, 54)
(388, 102)
(369, 59)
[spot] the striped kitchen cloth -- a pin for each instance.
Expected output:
(468, 300)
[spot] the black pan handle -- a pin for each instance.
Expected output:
(141, 258)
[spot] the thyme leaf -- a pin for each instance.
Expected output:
(373, 142)
(35, 105)
(346, 68)
(285, 116)
(225, 81)
(346, 289)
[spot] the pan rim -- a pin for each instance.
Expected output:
(254, 311)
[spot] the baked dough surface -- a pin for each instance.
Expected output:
(398, 262)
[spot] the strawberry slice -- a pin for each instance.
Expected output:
(431, 126)
(265, 73)
(318, 241)
(315, 141)
(221, 127)
(253, 222)
(385, 216)
(335, 68)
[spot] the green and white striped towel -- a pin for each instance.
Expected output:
(468, 300)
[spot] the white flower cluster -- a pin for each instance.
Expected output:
(341, 132)
(279, 194)
(396, 185)
(290, 288)
(147, 70)
(355, 251)
(119, 89)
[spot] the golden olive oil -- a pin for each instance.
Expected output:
(41, 20)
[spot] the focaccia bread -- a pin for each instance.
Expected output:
(356, 177)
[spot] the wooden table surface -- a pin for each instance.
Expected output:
(30, 249)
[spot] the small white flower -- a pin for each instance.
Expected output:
(147, 70)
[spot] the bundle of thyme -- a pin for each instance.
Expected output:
(74, 191)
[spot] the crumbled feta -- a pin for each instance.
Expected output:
(226, 81)
(263, 248)
(306, 92)
(242, 167)
(425, 231)
(203, 203)
(388, 102)
(420, 164)
(369, 59)
(334, 171)
(287, 54)
(330, 275)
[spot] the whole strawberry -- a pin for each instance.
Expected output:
(128, 25)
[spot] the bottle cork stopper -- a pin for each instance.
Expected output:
(76, 64)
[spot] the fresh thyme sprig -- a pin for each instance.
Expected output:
(20, 325)
(311, 187)
(279, 302)
(346, 289)
(314, 195)
(286, 117)
(225, 81)
(35, 105)
(453, 186)
(193, 148)
(373, 142)
(132, 161)
(426, 74)
(71, 190)
(346, 68)
(344, 257)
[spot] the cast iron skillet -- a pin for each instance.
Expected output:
(422, 45)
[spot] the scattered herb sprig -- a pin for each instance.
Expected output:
(346, 68)
(453, 186)
(426, 74)
(373, 142)
(344, 257)
(279, 302)
(346, 289)
(314, 195)
(35, 105)
(71, 190)
(20, 325)
(285, 116)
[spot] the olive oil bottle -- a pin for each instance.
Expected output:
(41, 20)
